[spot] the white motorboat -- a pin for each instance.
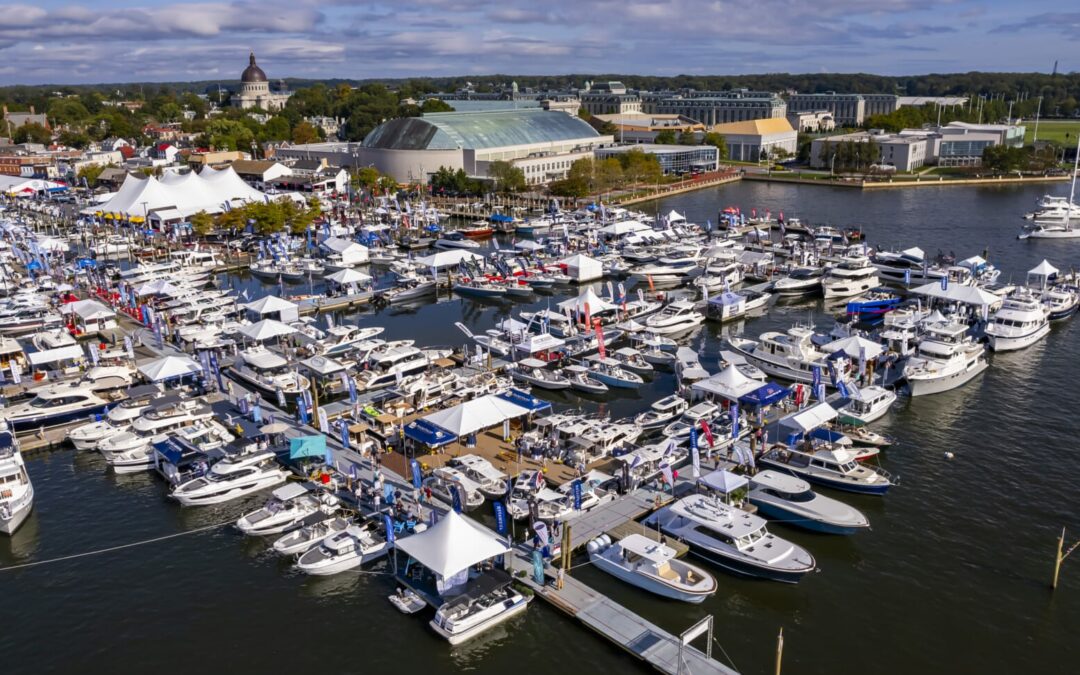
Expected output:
(1021, 321)
(800, 281)
(908, 267)
(118, 419)
(139, 453)
(631, 359)
(791, 501)
(612, 372)
(866, 404)
(582, 379)
(833, 467)
(445, 480)
(269, 373)
(688, 366)
(790, 355)
(652, 566)
(850, 277)
(313, 529)
(235, 476)
(491, 482)
(451, 240)
(16, 490)
(720, 276)
(345, 550)
(704, 412)
(732, 539)
(485, 602)
(662, 412)
(344, 338)
(676, 317)
(945, 358)
(386, 366)
(536, 373)
(286, 510)
(54, 405)
(156, 421)
(406, 601)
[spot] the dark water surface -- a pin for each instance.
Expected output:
(953, 576)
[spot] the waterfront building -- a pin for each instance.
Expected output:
(847, 109)
(257, 173)
(746, 141)
(721, 107)
(902, 153)
(674, 159)
(962, 143)
(638, 127)
(255, 90)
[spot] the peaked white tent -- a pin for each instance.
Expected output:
(349, 276)
(89, 310)
(724, 481)
(211, 191)
(811, 418)
(675, 217)
(965, 295)
(452, 545)
(472, 416)
(1043, 274)
(853, 346)
(588, 297)
(266, 329)
(169, 367)
(624, 227)
(271, 304)
(582, 268)
(729, 383)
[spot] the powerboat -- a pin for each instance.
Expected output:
(269, 373)
(392, 361)
(800, 281)
(651, 566)
(344, 338)
(157, 420)
(732, 539)
(632, 360)
(866, 404)
(850, 277)
(735, 304)
(791, 355)
(484, 602)
(679, 316)
(451, 240)
(16, 490)
(583, 380)
(945, 358)
(140, 453)
(118, 419)
(536, 373)
(312, 530)
(791, 501)
(55, 405)
(833, 467)
(491, 482)
(237, 475)
(612, 373)
(286, 510)
(908, 267)
(1021, 321)
(662, 412)
(444, 478)
(345, 550)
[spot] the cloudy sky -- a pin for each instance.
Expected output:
(53, 41)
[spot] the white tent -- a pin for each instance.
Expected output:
(452, 545)
(588, 297)
(271, 304)
(472, 416)
(582, 268)
(965, 295)
(68, 352)
(853, 346)
(266, 329)
(1043, 269)
(169, 367)
(17, 184)
(723, 481)
(675, 217)
(351, 252)
(211, 191)
(89, 310)
(444, 259)
(624, 227)
(729, 383)
(811, 418)
(348, 276)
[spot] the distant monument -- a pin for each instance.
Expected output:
(255, 90)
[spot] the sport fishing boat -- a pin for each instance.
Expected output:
(834, 467)
(850, 277)
(945, 358)
(651, 566)
(536, 373)
(582, 379)
(732, 539)
(1021, 321)
(612, 372)
(356, 545)
(16, 490)
(791, 501)
(237, 475)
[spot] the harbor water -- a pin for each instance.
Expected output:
(953, 576)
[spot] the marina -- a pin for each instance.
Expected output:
(429, 423)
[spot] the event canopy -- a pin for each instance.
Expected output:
(674, 216)
(766, 395)
(624, 227)
(854, 346)
(588, 296)
(965, 295)
(307, 446)
(266, 329)
(18, 184)
(452, 545)
(67, 352)
(90, 310)
(811, 418)
(450, 258)
(268, 304)
(723, 481)
(349, 276)
(479, 413)
(729, 383)
(169, 367)
(212, 191)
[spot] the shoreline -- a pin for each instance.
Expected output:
(916, 183)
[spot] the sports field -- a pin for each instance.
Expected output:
(1053, 130)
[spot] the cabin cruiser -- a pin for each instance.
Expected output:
(677, 317)
(24, 320)
(791, 501)
(386, 366)
(651, 566)
(662, 412)
(54, 405)
(866, 404)
(268, 372)
(720, 276)
(312, 530)
(451, 240)
(170, 414)
(732, 539)
(945, 358)
(693, 417)
(848, 278)
(118, 419)
(354, 546)
(832, 467)
(582, 379)
(800, 281)
(791, 355)
(444, 480)
(735, 304)
(485, 601)
(909, 266)
(536, 373)
(236, 475)
(134, 452)
(1062, 301)
(1021, 321)
(16, 490)
(612, 373)
(344, 338)
(491, 482)
(286, 509)
(407, 288)
(665, 273)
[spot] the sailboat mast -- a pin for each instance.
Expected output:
(1072, 189)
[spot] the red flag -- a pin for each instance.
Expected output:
(600, 338)
(707, 431)
(588, 316)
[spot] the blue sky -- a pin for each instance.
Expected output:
(127, 40)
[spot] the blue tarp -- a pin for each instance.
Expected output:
(168, 449)
(824, 434)
(525, 400)
(500, 218)
(429, 434)
(767, 395)
(307, 446)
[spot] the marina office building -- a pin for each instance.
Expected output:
(747, 140)
(674, 159)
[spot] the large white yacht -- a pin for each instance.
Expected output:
(55, 404)
(395, 360)
(118, 419)
(16, 490)
(1021, 321)
(232, 477)
(269, 373)
(677, 317)
(946, 358)
(344, 338)
(791, 355)
(850, 277)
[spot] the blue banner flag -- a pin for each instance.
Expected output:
(693, 438)
(345, 441)
(217, 370)
(817, 376)
(417, 474)
(734, 420)
(389, 525)
(256, 413)
(301, 409)
(500, 516)
(576, 489)
(455, 498)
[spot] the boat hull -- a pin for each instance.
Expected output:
(926, 387)
(817, 479)
(649, 584)
(801, 520)
(1001, 343)
(457, 638)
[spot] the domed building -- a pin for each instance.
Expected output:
(255, 90)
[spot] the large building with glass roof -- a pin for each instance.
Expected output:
(542, 143)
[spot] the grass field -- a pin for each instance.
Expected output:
(1053, 130)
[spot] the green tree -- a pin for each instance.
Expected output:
(609, 175)
(202, 223)
(74, 139)
(719, 142)
(508, 178)
(639, 167)
(275, 129)
(304, 132)
(68, 111)
(90, 172)
(688, 138)
(32, 132)
(366, 178)
(435, 105)
(666, 137)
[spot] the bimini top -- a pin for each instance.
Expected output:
(478, 130)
